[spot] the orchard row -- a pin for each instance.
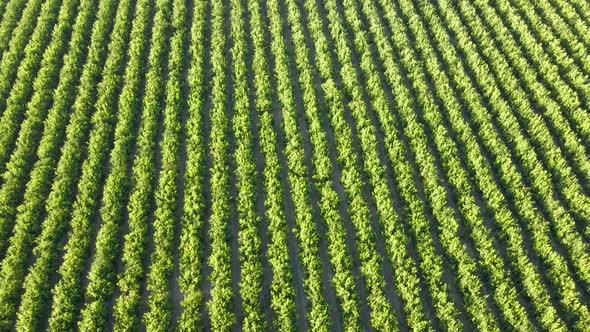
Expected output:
(294, 165)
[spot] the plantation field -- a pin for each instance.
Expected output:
(331, 165)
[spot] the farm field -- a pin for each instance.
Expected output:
(335, 165)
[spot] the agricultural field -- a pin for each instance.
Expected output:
(334, 165)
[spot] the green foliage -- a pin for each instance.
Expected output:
(249, 222)
(281, 287)
(193, 207)
(445, 143)
(127, 310)
(102, 271)
(60, 200)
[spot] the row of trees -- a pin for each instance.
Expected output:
(298, 176)
(58, 205)
(323, 174)
(559, 80)
(566, 33)
(454, 121)
(482, 138)
(563, 46)
(191, 257)
(466, 267)
(505, 293)
(14, 97)
(558, 11)
(570, 189)
(49, 61)
(504, 290)
(566, 182)
(246, 175)
(222, 318)
(101, 276)
(27, 223)
(128, 305)
(431, 262)
(69, 290)
(539, 181)
(63, 206)
(45, 49)
(405, 269)
(11, 13)
(13, 47)
(581, 7)
(158, 317)
(282, 291)
(512, 181)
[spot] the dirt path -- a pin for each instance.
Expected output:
(233, 226)
(206, 269)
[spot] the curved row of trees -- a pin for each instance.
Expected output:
(283, 164)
